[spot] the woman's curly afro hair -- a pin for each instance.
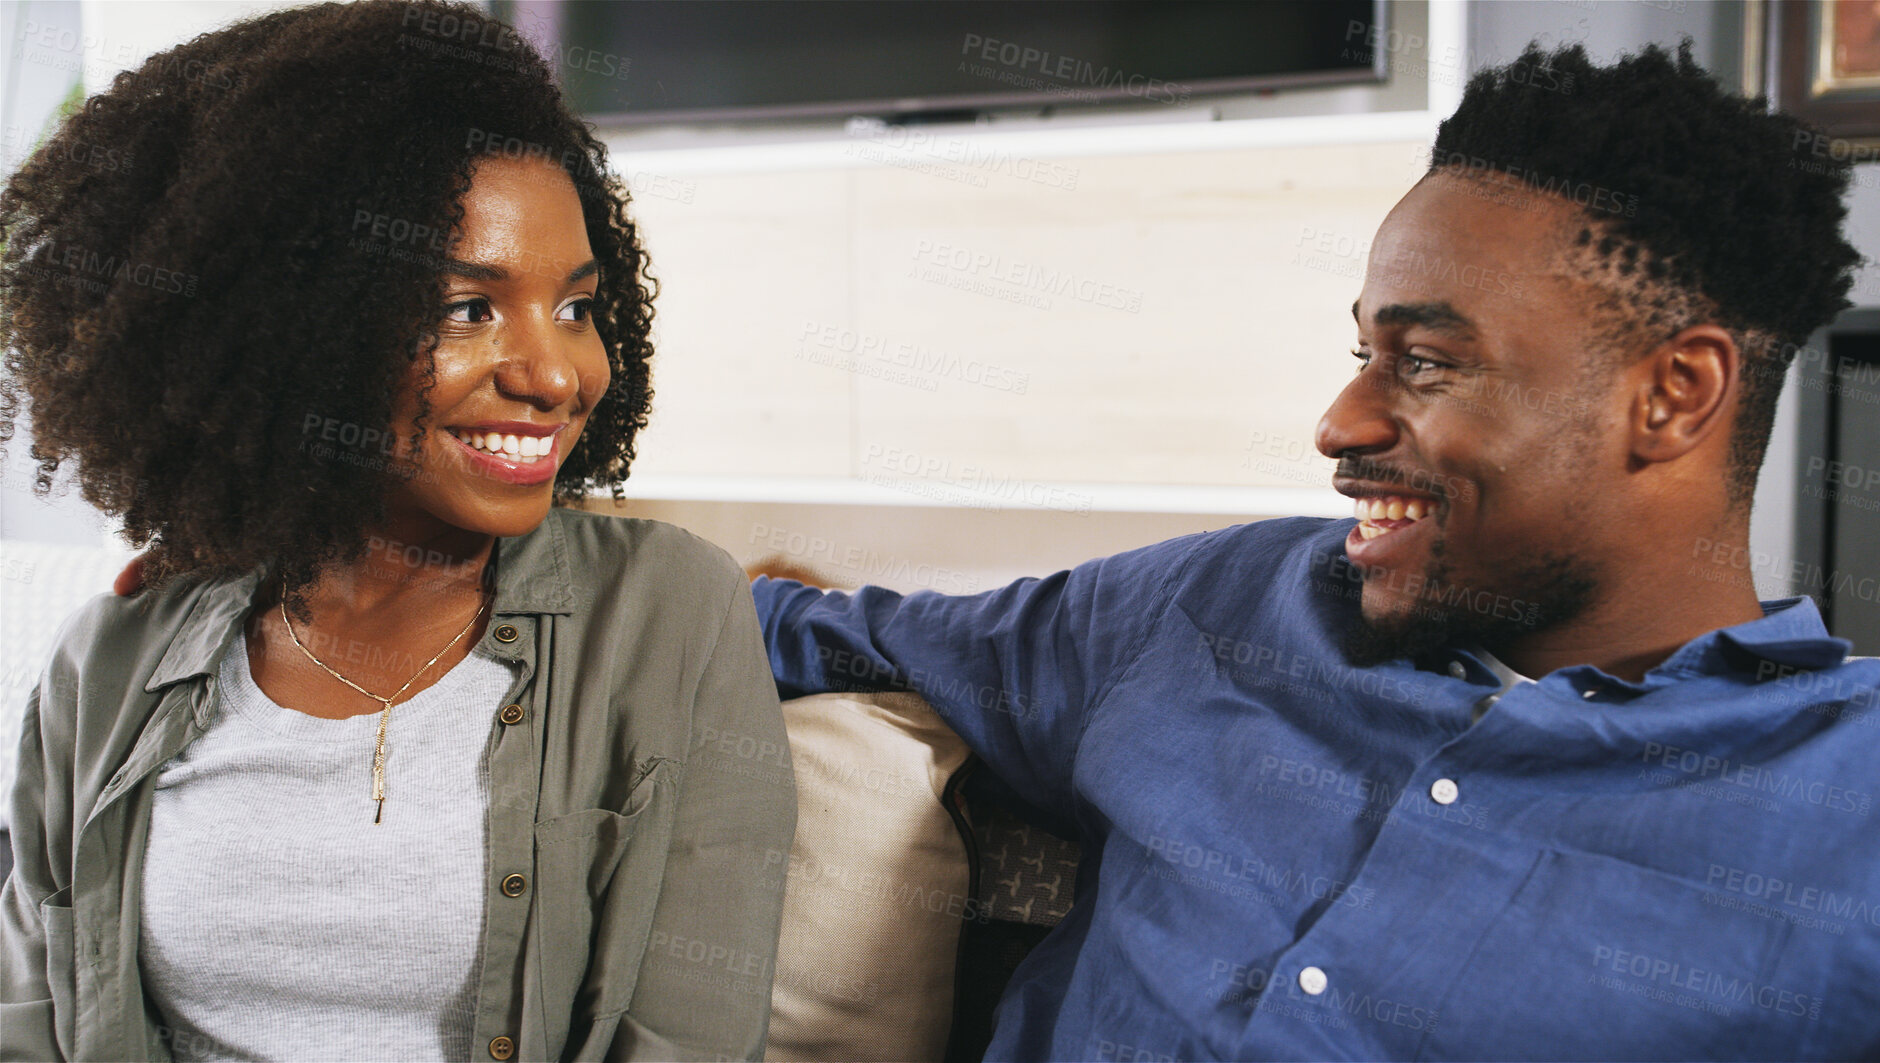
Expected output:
(231, 258)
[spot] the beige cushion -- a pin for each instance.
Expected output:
(877, 884)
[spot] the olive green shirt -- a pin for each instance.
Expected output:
(641, 805)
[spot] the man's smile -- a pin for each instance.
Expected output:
(1379, 515)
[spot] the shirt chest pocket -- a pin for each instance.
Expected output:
(62, 961)
(592, 905)
(1595, 958)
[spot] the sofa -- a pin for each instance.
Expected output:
(912, 892)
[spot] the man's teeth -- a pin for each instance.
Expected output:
(525, 449)
(1388, 507)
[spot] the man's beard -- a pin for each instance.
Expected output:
(1548, 591)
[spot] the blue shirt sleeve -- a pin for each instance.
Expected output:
(1015, 671)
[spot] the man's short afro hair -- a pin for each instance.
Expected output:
(1687, 189)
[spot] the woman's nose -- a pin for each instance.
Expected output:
(538, 365)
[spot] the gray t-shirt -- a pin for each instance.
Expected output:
(278, 921)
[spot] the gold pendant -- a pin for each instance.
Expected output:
(378, 764)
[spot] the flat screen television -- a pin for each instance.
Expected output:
(698, 61)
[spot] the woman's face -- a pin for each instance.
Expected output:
(518, 365)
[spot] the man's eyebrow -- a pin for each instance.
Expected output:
(1439, 316)
(477, 271)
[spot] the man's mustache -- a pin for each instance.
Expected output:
(1416, 481)
(1376, 472)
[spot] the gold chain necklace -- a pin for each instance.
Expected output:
(378, 755)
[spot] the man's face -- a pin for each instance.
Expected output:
(1480, 450)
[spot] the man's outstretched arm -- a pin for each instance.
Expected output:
(1016, 671)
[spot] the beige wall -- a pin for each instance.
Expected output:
(1138, 328)
(1068, 338)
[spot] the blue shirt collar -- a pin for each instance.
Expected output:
(1789, 633)
(1789, 637)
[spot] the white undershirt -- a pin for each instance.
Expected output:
(278, 921)
(1508, 676)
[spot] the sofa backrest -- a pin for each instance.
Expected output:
(906, 904)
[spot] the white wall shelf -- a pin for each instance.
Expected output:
(1065, 497)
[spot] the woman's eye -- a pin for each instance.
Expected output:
(578, 310)
(469, 311)
(1414, 365)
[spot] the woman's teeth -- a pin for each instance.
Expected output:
(524, 449)
(1392, 508)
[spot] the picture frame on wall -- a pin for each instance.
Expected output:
(1825, 64)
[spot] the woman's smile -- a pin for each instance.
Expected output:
(517, 452)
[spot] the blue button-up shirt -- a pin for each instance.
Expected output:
(1286, 857)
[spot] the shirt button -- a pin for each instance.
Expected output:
(1458, 669)
(1312, 980)
(502, 1048)
(1444, 792)
(1588, 694)
(507, 633)
(511, 714)
(514, 885)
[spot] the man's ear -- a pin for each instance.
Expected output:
(1686, 392)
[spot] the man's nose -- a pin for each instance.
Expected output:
(1360, 419)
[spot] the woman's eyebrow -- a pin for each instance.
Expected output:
(478, 271)
(475, 271)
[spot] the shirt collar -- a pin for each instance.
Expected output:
(532, 576)
(1790, 633)
(532, 571)
(214, 620)
(1788, 637)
